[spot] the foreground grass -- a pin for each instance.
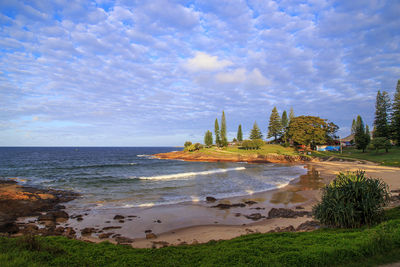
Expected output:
(387, 159)
(328, 247)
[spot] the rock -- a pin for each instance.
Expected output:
(195, 242)
(112, 227)
(59, 214)
(286, 213)
(123, 240)
(59, 207)
(257, 208)
(87, 231)
(132, 216)
(105, 235)
(211, 199)
(395, 191)
(308, 226)
(237, 214)
(69, 232)
(159, 244)
(116, 235)
(118, 217)
(228, 206)
(254, 216)
(299, 208)
(121, 221)
(150, 236)
(59, 230)
(148, 231)
(290, 228)
(250, 202)
(157, 221)
(46, 217)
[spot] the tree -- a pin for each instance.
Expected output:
(331, 130)
(395, 120)
(307, 130)
(224, 139)
(360, 137)
(291, 115)
(382, 109)
(216, 132)
(275, 124)
(380, 142)
(208, 138)
(239, 136)
(353, 127)
(255, 132)
(187, 143)
(284, 120)
(367, 134)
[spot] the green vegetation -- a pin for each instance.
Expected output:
(208, 138)
(187, 143)
(224, 139)
(386, 159)
(361, 137)
(352, 200)
(217, 133)
(327, 247)
(395, 119)
(255, 132)
(307, 130)
(380, 143)
(275, 125)
(252, 144)
(381, 122)
(239, 136)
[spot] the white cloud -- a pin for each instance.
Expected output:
(240, 75)
(204, 62)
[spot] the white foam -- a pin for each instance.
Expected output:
(189, 174)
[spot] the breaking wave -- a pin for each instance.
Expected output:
(188, 174)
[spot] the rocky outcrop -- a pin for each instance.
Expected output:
(286, 213)
(220, 156)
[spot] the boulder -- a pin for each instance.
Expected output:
(105, 235)
(150, 236)
(228, 206)
(88, 231)
(123, 240)
(254, 216)
(286, 213)
(308, 226)
(211, 199)
(119, 217)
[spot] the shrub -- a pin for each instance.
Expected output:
(258, 143)
(190, 148)
(247, 144)
(198, 146)
(187, 143)
(380, 143)
(352, 200)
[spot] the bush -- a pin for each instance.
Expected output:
(258, 143)
(198, 146)
(352, 200)
(380, 143)
(187, 143)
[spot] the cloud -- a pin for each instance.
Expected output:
(204, 62)
(240, 75)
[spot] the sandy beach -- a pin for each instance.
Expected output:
(200, 222)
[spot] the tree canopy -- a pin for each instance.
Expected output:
(239, 136)
(382, 110)
(275, 124)
(208, 138)
(255, 132)
(224, 139)
(360, 135)
(307, 130)
(217, 134)
(395, 120)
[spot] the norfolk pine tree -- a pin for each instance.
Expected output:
(275, 124)
(255, 132)
(395, 121)
(208, 138)
(224, 139)
(239, 136)
(360, 136)
(382, 109)
(217, 134)
(291, 114)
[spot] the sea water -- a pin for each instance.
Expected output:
(121, 177)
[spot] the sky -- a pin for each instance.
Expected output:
(158, 73)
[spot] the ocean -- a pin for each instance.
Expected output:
(126, 177)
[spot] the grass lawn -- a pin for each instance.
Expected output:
(328, 247)
(388, 159)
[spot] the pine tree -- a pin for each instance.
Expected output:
(285, 119)
(255, 132)
(217, 134)
(291, 115)
(239, 136)
(224, 139)
(275, 124)
(395, 120)
(208, 138)
(353, 127)
(382, 109)
(367, 134)
(360, 137)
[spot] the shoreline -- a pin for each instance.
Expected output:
(198, 222)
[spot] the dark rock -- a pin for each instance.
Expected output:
(308, 226)
(395, 191)
(123, 240)
(228, 206)
(132, 216)
(150, 236)
(258, 208)
(59, 207)
(250, 202)
(290, 228)
(88, 231)
(69, 232)
(211, 199)
(116, 235)
(121, 221)
(287, 213)
(118, 217)
(148, 231)
(79, 219)
(105, 235)
(254, 216)
(112, 227)
(237, 214)
(59, 230)
(157, 221)
(299, 208)
(46, 217)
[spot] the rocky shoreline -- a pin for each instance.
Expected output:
(234, 157)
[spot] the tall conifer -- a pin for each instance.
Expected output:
(395, 121)
(291, 114)
(382, 109)
(285, 119)
(224, 139)
(239, 136)
(255, 132)
(275, 124)
(217, 134)
(360, 136)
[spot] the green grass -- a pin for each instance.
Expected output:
(387, 159)
(264, 150)
(327, 247)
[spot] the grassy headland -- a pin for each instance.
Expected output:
(387, 159)
(326, 247)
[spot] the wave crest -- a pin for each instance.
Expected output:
(189, 174)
